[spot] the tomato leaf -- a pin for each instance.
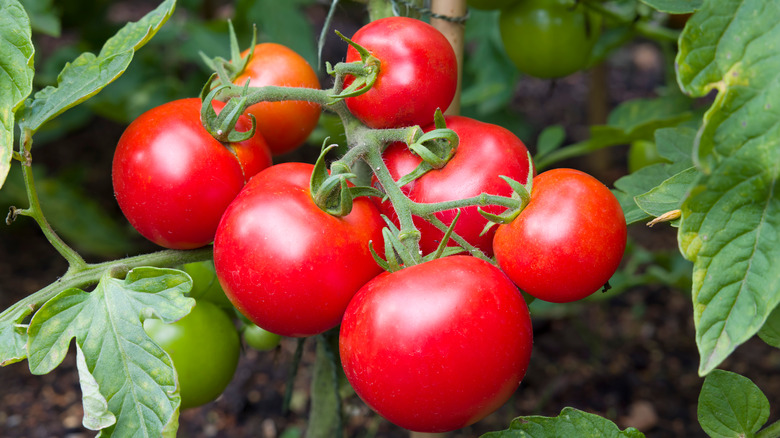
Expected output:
(669, 195)
(770, 332)
(674, 6)
(326, 419)
(122, 365)
(731, 222)
(731, 405)
(550, 138)
(570, 422)
(16, 63)
(13, 334)
(88, 74)
(44, 18)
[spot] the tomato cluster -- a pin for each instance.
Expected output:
(435, 343)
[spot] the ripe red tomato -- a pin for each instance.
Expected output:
(285, 125)
(437, 346)
(204, 347)
(173, 180)
(285, 264)
(418, 73)
(485, 151)
(567, 242)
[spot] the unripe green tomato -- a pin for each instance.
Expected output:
(490, 4)
(204, 347)
(549, 38)
(205, 285)
(643, 153)
(260, 338)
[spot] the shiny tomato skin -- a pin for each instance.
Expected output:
(204, 347)
(418, 73)
(172, 179)
(285, 264)
(437, 346)
(285, 125)
(485, 151)
(567, 242)
(549, 38)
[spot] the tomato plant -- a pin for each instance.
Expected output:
(284, 125)
(286, 264)
(567, 242)
(205, 285)
(549, 38)
(643, 153)
(485, 152)
(173, 180)
(437, 346)
(417, 75)
(204, 347)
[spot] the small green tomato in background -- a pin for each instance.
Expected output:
(643, 153)
(260, 338)
(549, 38)
(490, 4)
(204, 347)
(205, 285)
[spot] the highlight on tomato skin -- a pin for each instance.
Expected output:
(437, 346)
(568, 242)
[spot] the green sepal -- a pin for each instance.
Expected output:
(330, 191)
(222, 126)
(365, 71)
(358, 191)
(446, 238)
(438, 119)
(377, 258)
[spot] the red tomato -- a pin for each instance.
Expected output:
(567, 242)
(437, 346)
(485, 152)
(173, 180)
(418, 73)
(285, 264)
(285, 125)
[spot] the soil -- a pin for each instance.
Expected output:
(632, 358)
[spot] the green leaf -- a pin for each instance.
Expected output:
(730, 222)
(88, 74)
(730, 231)
(134, 375)
(770, 332)
(669, 195)
(16, 64)
(43, 17)
(676, 144)
(569, 423)
(13, 335)
(731, 406)
(674, 6)
(550, 138)
(640, 118)
(326, 419)
(731, 46)
(96, 413)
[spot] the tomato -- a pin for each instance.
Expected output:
(418, 73)
(549, 38)
(205, 285)
(284, 125)
(491, 4)
(173, 180)
(204, 347)
(643, 153)
(567, 242)
(285, 264)
(485, 151)
(437, 346)
(259, 338)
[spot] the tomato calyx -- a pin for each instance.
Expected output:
(222, 126)
(521, 192)
(331, 191)
(362, 74)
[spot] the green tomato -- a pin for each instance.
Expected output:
(490, 4)
(643, 153)
(204, 347)
(205, 285)
(549, 38)
(260, 338)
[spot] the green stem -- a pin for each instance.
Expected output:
(471, 249)
(481, 200)
(771, 431)
(75, 261)
(573, 150)
(90, 274)
(644, 28)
